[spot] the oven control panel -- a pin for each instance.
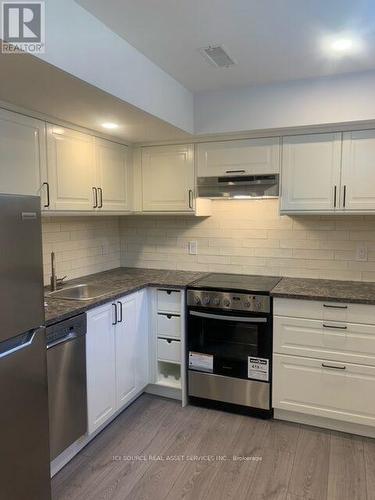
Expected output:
(228, 300)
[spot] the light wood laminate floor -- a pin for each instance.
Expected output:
(157, 450)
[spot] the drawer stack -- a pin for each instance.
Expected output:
(324, 359)
(168, 330)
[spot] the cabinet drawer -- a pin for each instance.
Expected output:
(330, 311)
(169, 300)
(306, 386)
(169, 350)
(339, 341)
(168, 325)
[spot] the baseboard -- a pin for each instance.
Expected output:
(325, 423)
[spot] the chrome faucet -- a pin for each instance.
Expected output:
(55, 281)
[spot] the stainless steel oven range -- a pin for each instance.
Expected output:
(229, 343)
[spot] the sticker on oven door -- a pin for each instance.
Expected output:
(258, 368)
(200, 361)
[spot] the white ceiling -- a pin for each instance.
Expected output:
(43, 89)
(272, 40)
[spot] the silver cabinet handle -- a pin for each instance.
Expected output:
(95, 196)
(120, 309)
(344, 199)
(116, 318)
(100, 190)
(334, 367)
(328, 306)
(47, 204)
(334, 196)
(190, 199)
(235, 171)
(335, 327)
(221, 317)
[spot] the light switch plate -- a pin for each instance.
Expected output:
(193, 247)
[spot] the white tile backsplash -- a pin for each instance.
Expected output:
(251, 237)
(83, 245)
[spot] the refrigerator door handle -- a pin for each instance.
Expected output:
(13, 345)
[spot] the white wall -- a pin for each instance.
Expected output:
(81, 45)
(303, 103)
(251, 237)
(83, 245)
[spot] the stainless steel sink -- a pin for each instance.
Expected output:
(78, 292)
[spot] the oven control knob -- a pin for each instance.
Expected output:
(216, 301)
(247, 304)
(257, 305)
(226, 302)
(197, 300)
(206, 301)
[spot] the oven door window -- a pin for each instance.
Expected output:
(230, 339)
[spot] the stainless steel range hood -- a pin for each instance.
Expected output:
(239, 187)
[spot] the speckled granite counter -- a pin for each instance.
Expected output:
(116, 283)
(332, 290)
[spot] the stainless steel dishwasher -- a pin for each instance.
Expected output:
(67, 394)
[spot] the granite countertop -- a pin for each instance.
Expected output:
(115, 283)
(122, 281)
(320, 289)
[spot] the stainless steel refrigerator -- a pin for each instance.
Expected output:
(24, 443)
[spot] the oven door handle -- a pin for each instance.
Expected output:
(242, 319)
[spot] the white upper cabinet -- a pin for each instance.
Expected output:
(71, 169)
(239, 157)
(311, 172)
(358, 171)
(113, 176)
(22, 155)
(168, 178)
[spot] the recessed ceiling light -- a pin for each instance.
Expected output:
(343, 45)
(110, 125)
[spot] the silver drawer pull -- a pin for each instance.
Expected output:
(335, 307)
(335, 327)
(334, 367)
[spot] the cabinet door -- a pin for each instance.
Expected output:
(22, 155)
(358, 170)
(239, 157)
(126, 350)
(113, 176)
(71, 169)
(311, 172)
(142, 356)
(101, 373)
(168, 178)
(324, 388)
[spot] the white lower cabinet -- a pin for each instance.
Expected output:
(324, 364)
(126, 348)
(117, 356)
(100, 366)
(342, 391)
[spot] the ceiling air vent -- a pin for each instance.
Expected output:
(217, 56)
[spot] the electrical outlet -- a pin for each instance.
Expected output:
(193, 247)
(361, 252)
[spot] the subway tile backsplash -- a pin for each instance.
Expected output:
(240, 237)
(251, 237)
(83, 245)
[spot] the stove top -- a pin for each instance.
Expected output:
(236, 282)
